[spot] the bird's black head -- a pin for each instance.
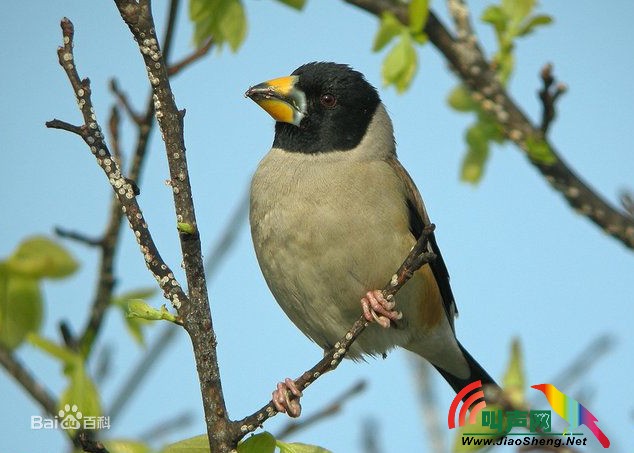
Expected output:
(326, 107)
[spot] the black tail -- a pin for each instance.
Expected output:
(476, 373)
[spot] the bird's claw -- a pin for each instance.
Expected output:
(379, 309)
(286, 398)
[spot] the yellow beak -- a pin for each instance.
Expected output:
(281, 99)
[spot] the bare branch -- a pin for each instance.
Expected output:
(23, 376)
(110, 239)
(196, 55)
(63, 125)
(587, 358)
(477, 73)
(113, 128)
(549, 94)
(78, 237)
(195, 313)
(124, 190)
(136, 117)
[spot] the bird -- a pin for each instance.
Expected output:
(333, 214)
(572, 411)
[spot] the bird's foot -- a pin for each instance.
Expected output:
(286, 398)
(377, 308)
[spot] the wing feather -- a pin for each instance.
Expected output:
(418, 219)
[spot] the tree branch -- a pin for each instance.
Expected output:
(124, 190)
(331, 360)
(476, 72)
(28, 382)
(195, 313)
(110, 238)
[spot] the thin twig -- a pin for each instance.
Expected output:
(328, 410)
(78, 237)
(477, 73)
(627, 201)
(114, 121)
(63, 125)
(24, 377)
(549, 94)
(123, 99)
(417, 257)
(196, 55)
(587, 358)
(67, 335)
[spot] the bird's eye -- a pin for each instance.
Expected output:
(328, 100)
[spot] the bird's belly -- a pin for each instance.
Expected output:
(320, 254)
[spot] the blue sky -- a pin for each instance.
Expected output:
(522, 263)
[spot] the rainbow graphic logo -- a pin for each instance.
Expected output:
(572, 411)
(473, 404)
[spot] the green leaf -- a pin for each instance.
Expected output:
(222, 20)
(198, 444)
(505, 62)
(495, 16)
(299, 448)
(535, 21)
(20, 308)
(418, 14)
(297, 4)
(389, 28)
(134, 324)
(539, 151)
(399, 66)
(259, 443)
(477, 154)
(517, 10)
(137, 308)
(460, 99)
(185, 227)
(514, 381)
(233, 26)
(39, 257)
(420, 38)
(126, 446)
